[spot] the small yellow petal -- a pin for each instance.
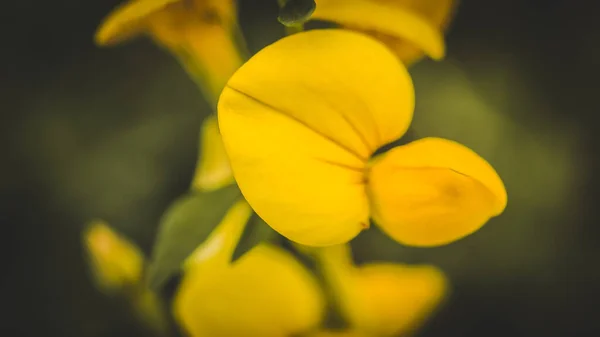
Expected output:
(299, 121)
(408, 27)
(127, 20)
(395, 299)
(433, 191)
(213, 170)
(264, 293)
(114, 260)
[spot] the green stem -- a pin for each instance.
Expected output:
(289, 30)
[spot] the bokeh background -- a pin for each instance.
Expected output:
(113, 133)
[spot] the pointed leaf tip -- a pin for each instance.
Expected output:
(257, 231)
(184, 226)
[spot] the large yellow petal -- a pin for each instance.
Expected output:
(299, 121)
(433, 191)
(265, 293)
(409, 27)
(394, 299)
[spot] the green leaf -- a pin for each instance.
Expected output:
(255, 232)
(295, 12)
(185, 225)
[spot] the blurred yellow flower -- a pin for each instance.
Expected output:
(200, 33)
(381, 299)
(301, 121)
(115, 262)
(409, 27)
(117, 265)
(264, 293)
(213, 170)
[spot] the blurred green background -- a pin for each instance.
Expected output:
(112, 133)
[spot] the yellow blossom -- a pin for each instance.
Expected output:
(264, 293)
(301, 121)
(114, 260)
(200, 33)
(409, 27)
(382, 299)
(213, 170)
(117, 265)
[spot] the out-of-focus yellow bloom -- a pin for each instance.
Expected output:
(200, 33)
(213, 170)
(117, 265)
(409, 27)
(381, 299)
(300, 122)
(264, 293)
(115, 262)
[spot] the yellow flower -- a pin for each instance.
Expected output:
(264, 293)
(409, 27)
(382, 299)
(200, 33)
(300, 122)
(114, 260)
(117, 265)
(213, 170)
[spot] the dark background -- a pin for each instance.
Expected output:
(112, 133)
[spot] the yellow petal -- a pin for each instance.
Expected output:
(264, 293)
(381, 299)
(114, 260)
(299, 121)
(395, 299)
(213, 170)
(128, 20)
(408, 27)
(433, 191)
